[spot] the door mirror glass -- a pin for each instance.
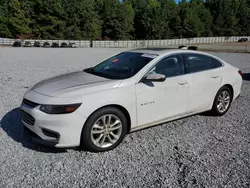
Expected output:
(154, 77)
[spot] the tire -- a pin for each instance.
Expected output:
(217, 109)
(193, 47)
(95, 127)
(183, 47)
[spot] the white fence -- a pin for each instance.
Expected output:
(162, 43)
(134, 43)
(78, 43)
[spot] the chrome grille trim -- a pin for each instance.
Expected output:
(27, 118)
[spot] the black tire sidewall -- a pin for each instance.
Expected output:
(215, 109)
(86, 141)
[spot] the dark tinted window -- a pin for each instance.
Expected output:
(122, 66)
(215, 63)
(197, 63)
(170, 66)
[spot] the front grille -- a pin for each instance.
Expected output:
(29, 103)
(50, 133)
(27, 118)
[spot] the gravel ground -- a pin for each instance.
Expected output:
(229, 47)
(199, 151)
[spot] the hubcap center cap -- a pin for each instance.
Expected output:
(106, 131)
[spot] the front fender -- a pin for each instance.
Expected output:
(124, 97)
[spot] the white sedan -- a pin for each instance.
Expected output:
(95, 108)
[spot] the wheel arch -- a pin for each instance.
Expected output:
(230, 87)
(214, 109)
(121, 108)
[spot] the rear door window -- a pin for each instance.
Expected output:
(198, 63)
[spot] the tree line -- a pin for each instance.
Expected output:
(129, 19)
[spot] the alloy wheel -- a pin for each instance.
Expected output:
(106, 131)
(223, 101)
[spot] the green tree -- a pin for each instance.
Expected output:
(154, 20)
(150, 19)
(110, 19)
(196, 19)
(4, 31)
(205, 17)
(126, 18)
(82, 19)
(117, 19)
(243, 15)
(18, 24)
(27, 6)
(140, 9)
(48, 21)
(171, 17)
(129, 19)
(224, 13)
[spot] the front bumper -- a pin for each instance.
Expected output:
(36, 139)
(53, 130)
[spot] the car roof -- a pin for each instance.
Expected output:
(159, 51)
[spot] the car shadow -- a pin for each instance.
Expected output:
(246, 76)
(206, 114)
(11, 123)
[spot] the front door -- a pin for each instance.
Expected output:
(157, 101)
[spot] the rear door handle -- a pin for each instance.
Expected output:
(215, 77)
(182, 83)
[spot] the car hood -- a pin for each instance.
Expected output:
(74, 84)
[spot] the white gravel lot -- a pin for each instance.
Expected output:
(199, 151)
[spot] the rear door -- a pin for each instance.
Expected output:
(205, 80)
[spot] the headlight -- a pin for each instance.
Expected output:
(59, 109)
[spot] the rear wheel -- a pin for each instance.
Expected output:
(222, 101)
(104, 130)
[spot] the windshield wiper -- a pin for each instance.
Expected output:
(91, 71)
(102, 74)
(88, 70)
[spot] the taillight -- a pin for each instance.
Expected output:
(240, 73)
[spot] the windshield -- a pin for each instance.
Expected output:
(121, 66)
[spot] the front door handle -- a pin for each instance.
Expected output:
(215, 77)
(182, 83)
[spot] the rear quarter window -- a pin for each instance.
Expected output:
(215, 63)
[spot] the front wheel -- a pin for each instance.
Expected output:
(222, 101)
(104, 130)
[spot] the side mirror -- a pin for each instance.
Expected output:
(154, 77)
